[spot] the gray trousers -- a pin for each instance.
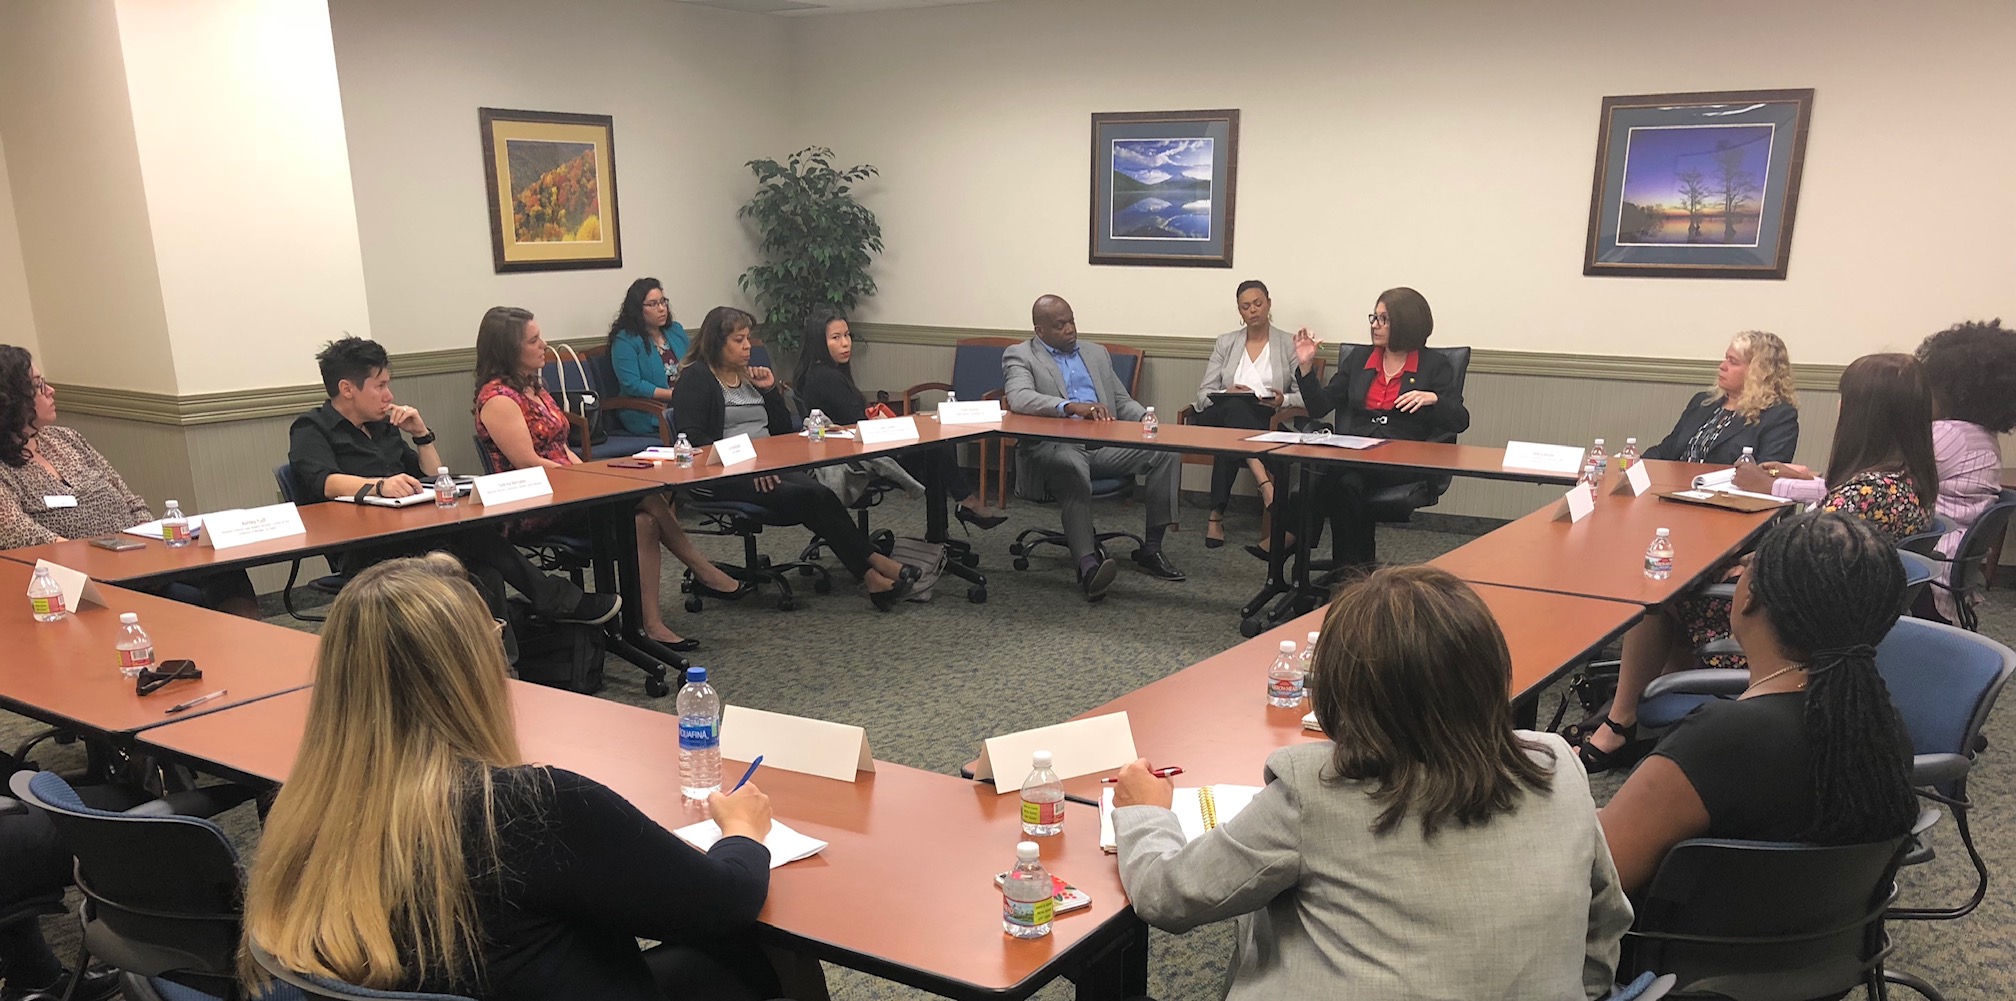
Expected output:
(1066, 471)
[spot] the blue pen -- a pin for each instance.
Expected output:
(753, 765)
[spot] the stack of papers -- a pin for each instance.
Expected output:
(1724, 482)
(1197, 810)
(1318, 438)
(786, 845)
(152, 529)
(840, 433)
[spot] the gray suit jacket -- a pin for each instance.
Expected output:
(1231, 350)
(1035, 385)
(1526, 906)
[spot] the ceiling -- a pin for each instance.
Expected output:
(804, 7)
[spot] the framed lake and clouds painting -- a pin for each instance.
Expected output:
(1162, 188)
(552, 187)
(1697, 185)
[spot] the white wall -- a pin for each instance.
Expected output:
(1443, 145)
(695, 92)
(17, 314)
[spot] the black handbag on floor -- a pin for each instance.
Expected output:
(558, 654)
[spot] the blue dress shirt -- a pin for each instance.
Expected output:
(1078, 386)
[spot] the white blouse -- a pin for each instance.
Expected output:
(1253, 372)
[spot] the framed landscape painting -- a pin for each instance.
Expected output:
(1697, 185)
(552, 186)
(1162, 188)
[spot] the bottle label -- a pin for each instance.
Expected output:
(51, 605)
(1659, 564)
(1045, 814)
(700, 735)
(1284, 688)
(136, 658)
(172, 532)
(1028, 914)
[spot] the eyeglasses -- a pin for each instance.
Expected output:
(1377, 319)
(150, 680)
(651, 303)
(41, 385)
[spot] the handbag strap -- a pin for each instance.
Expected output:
(580, 374)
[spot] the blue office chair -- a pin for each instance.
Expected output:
(976, 375)
(1970, 565)
(1127, 365)
(1925, 543)
(323, 987)
(329, 584)
(586, 391)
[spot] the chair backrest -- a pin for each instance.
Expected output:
(759, 356)
(483, 455)
(1765, 920)
(1970, 560)
(1944, 681)
(323, 987)
(976, 366)
(161, 892)
(1926, 543)
(283, 477)
(1127, 364)
(1457, 357)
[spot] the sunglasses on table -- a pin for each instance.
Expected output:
(153, 680)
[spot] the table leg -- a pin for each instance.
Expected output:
(1120, 969)
(615, 544)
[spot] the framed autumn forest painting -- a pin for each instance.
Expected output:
(552, 187)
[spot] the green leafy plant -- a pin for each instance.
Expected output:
(816, 241)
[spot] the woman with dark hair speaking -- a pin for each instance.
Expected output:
(1812, 751)
(645, 345)
(1380, 863)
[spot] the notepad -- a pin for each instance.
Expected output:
(1351, 441)
(1197, 810)
(786, 845)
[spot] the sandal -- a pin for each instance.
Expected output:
(1217, 521)
(1598, 761)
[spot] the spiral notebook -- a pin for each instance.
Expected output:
(1197, 810)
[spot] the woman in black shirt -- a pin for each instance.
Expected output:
(1752, 405)
(1812, 751)
(825, 379)
(457, 867)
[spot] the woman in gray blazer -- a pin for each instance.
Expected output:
(1256, 362)
(1363, 870)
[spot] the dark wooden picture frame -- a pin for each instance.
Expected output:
(551, 181)
(1193, 226)
(1731, 159)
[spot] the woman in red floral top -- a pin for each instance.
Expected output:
(518, 426)
(1881, 470)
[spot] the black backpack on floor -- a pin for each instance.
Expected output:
(556, 654)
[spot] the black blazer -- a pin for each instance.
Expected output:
(700, 409)
(1346, 395)
(825, 389)
(1775, 436)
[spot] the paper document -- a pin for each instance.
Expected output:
(841, 433)
(786, 845)
(1317, 438)
(425, 496)
(1724, 482)
(1197, 810)
(152, 529)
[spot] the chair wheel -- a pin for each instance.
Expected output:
(976, 594)
(1015, 549)
(1021, 563)
(806, 571)
(693, 604)
(656, 688)
(823, 585)
(785, 604)
(1249, 626)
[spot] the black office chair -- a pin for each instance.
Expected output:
(1127, 364)
(1970, 564)
(551, 552)
(329, 584)
(877, 490)
(323, 987)
(747, 521)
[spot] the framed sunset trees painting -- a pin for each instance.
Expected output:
(1162, 188)
(1697, 185)
(552, 186)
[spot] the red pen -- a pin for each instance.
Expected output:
(1160, 773)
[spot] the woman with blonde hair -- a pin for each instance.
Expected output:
(459, 868)
(1751, 406)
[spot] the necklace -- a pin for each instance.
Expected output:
(1774, 674)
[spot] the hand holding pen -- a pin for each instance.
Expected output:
(1143, 784)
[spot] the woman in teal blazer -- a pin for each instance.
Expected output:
(645, 345)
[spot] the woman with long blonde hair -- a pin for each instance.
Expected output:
(414, 849)
(1751, 405)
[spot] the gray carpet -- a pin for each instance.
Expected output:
(929, 681)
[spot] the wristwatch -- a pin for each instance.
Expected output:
(425, 439)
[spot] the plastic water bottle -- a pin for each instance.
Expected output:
(136, 651)
(1028, 900)
(1151, 425)
(1308, 659)
(699, 736)
(1284, 678)
(444, 488)
(1629, 457)
(682, 451)
(45, 598)
(1659, 555)
(175, 526)
(1591, 476)
(1042, 798)
(1748, 458)
(816, 425)
(1600, 457)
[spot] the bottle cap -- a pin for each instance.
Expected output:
(1287, 646)
(1041, 759)
(1149, 410)
(1026, 851)
(1599, 441)
(1630, 441)
(1747, 450)
(1312, 638)
(818, 413)
(1664, 533)
(129, 619)
(696, 675)
(443, 471)
(174, 503)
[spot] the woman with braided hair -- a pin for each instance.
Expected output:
(1812, 751)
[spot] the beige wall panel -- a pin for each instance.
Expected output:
(17, 314)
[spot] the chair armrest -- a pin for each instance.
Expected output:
(1723, 590)
(1938, 769)
(1725, 646)
(1707, 681)
(1187, 415)
(1285, 417)
(639, 404)
(1926, 818)
(909, 400)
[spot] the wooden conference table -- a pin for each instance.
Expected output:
(904, 889)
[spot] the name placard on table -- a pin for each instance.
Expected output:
(1578, 503)
(730, 451)
(515, 485)
(76, 585)
(224, 529)
(970, 412)
(1080, 747)
(1635, 481)
(1542, 457)
(887, 429)
(795, 743)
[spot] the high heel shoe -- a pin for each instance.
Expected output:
(687, 645)
(971, 517)
(742, 590)
(1209, 542)
(906, 581)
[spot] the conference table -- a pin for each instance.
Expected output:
(904, 889)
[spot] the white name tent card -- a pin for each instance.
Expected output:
(1635, 481)
(970, 412)
(887, 429)
(1080, 747)
(77, 586)
(224, 529)
(1578, 501)
(1543, 458)
(729, 451)
(794, 744)
(516, 485)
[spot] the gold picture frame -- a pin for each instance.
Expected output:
(552, 185)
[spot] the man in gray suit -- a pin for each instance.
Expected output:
(1053, 375)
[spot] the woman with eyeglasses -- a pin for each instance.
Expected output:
(645, 345)
(1752, 405)
(54, 486)
(1390, 388)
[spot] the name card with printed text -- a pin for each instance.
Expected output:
(77, 586)
(970, 412)
(887, 429)
(1080, 747)
(794, 744)
(224, 529)
(1577, 503)
(516, 485)
(1543, 458)
(730, 451)
(1635, 481)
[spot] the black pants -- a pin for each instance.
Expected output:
(208, 591)
(798, 499)
(942, 462)
(491, 559)
(1234, 412)
(1340, 499)
(33, 862)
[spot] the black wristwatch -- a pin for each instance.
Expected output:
(425, 439)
